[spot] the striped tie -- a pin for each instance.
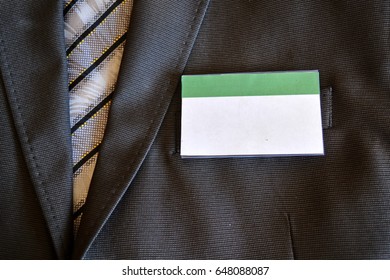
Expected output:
(95, 33)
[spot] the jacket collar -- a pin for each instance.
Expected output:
(158, 44)
(33, 68)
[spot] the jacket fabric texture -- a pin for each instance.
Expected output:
(145, 201)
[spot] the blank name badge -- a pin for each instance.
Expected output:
(251, 114)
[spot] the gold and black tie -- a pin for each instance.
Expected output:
(95, 35)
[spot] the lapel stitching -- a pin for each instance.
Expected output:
(163, 99)
(30, 154)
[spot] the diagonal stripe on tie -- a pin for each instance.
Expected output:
(92, 112)
(87, 157)
(93, 26)
(81, 16)
(79, 211)
(69, 6)
(93, 64)
(95, 87)
(97, 62)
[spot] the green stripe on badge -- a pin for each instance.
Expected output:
(251, 84)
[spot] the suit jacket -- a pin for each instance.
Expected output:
(145, 201)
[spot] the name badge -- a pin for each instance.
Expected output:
(251, 114)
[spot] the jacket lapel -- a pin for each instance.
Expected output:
(33, 68)
(159, 41)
